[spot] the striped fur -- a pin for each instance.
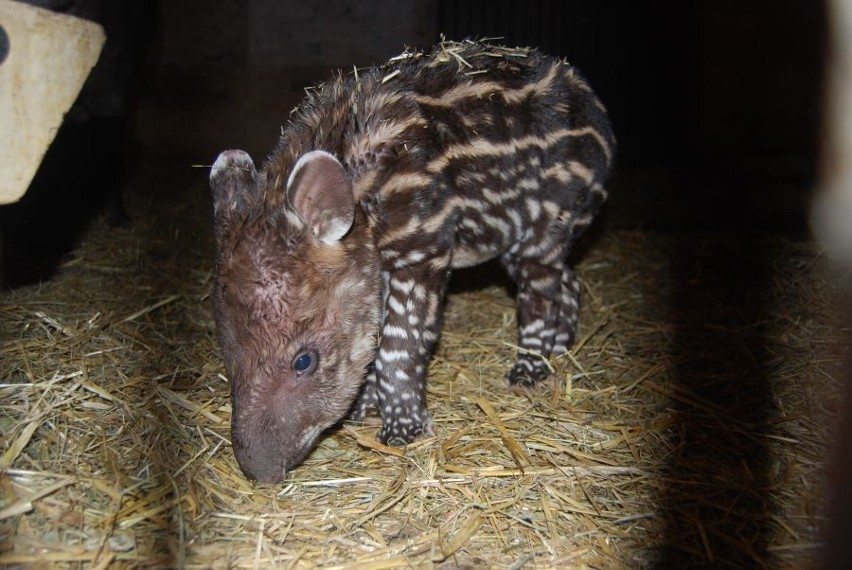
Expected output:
(453, 157)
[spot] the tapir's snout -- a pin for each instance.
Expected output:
(260, 467)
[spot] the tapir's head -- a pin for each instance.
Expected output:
(297, 303)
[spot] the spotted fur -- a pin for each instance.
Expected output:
(340, 247)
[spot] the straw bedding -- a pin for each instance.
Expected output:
(688, 426)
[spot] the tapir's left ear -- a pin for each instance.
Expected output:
(233, 179)
(319, 190)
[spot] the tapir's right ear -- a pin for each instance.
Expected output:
(320, 191)
(233, 179)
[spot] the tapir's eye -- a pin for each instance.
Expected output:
(305, 362)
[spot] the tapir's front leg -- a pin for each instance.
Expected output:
(412, 322)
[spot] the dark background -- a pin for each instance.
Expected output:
(715, 103)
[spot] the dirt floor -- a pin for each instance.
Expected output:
(687, 428)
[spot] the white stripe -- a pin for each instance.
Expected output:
(393, 355)
(395, 331)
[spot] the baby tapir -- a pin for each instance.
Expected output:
(333, 258)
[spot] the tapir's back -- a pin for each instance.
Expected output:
(489, 144)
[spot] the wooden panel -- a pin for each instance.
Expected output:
(50, 56)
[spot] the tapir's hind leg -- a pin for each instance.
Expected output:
(540, 300)
(569, 312)
(548, 300)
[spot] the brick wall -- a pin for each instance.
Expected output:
(232, 71)
(337, 32)
(290, 33)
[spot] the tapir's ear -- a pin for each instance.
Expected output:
(233, 179)
(319, 190)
